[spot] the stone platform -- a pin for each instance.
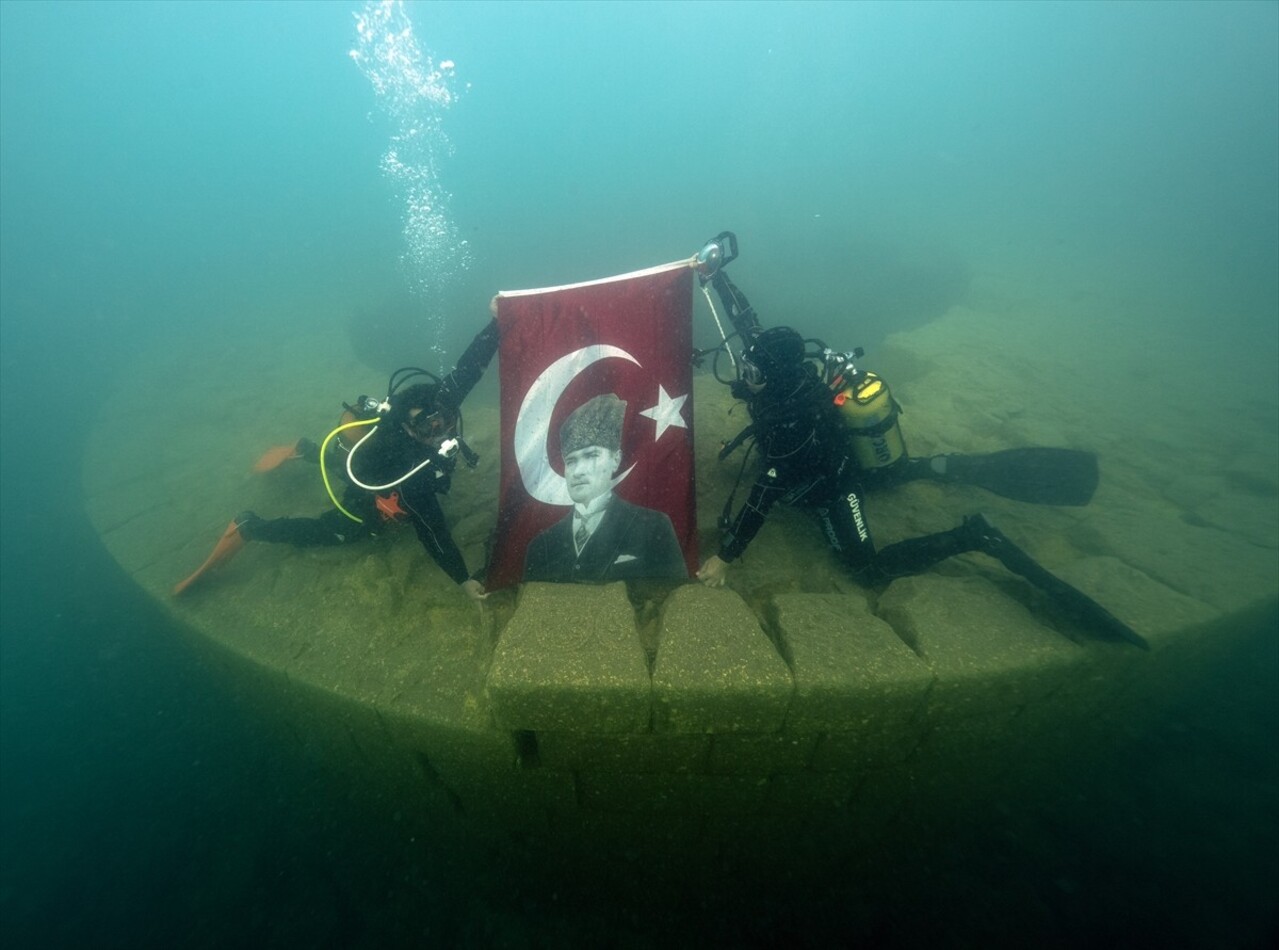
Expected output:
(792, 710)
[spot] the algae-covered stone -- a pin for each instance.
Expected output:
(1173, 625)
(1154, 610)
(739, 753)
(641, 752)
(671, 793)
(1218, 567)
(663, 793)
(809, 792)
(716, 669)
(1122, 687)
(852, 672)
(570, 660)
(987, 650)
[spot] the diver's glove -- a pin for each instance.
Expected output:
(308, 450)
(739, 389)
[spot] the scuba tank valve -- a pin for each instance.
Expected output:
(838, 368)
(370, 406)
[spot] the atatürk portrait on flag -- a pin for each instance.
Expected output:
(597, 477)
(604, 537)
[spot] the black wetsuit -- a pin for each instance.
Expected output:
(807, 461)
(381, 459)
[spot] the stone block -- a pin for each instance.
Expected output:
(570, 660)
(988, 652)
(660, 793)
(521, 802)
(734, 753)
(1216, 567)
(811, 793)
(1118, 682)
(874, 746)
(852, 671)
(727, 794)
(717, 671)
(644, 752)
(985, 743)
(627, 844)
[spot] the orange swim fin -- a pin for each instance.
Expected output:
(227, 547)
(274, 457)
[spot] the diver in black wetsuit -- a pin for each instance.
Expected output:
(809, 460)
(395, 472)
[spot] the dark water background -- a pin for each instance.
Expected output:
(165, 163)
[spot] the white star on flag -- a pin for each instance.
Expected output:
(668, 412)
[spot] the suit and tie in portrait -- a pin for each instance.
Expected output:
(603, 538)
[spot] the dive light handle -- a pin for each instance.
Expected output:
(740, 312)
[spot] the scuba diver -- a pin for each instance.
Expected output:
(827, 432)
(397, 454)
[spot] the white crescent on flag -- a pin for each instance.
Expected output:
(532, 426)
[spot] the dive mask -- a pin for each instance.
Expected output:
(431, 425)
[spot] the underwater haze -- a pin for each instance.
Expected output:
(217, 168)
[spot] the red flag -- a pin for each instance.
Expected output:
(602, 370)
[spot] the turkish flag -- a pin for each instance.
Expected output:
(619, 350)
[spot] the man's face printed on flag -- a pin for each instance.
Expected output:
(589, 472)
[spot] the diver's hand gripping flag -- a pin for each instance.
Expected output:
(629, 336)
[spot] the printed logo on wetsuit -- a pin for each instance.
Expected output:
(832, 538)
(855, 506)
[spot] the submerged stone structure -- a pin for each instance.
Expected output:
(794, 714)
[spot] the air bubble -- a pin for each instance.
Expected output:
(414, 92)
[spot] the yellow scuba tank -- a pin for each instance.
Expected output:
(870, 412)
(348, 437)
(364, 409)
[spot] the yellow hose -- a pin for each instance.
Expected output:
(324, 469)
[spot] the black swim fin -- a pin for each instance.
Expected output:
(1041, 476)
(1073, 602)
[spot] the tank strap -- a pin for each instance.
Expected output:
(880, 427)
